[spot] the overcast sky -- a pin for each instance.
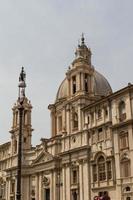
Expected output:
(42, 35)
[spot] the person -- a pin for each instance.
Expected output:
(105, 196)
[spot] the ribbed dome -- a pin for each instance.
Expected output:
(101, 86)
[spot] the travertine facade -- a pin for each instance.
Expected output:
(90, 152)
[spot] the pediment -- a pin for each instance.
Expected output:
(43, 157)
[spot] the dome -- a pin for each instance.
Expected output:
(101, 86)
(62, 91)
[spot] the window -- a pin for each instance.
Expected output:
(107, 132)
(24, 139)
(74, 195)
(128, 198)
(86, 82)
(94, 137)
(47, 194)
(125, 167)
(100, 134)
(122, 111)
(94, 173)
(101, 168)
(106, 112)
(74, 84)
(60, 123)
(123, 140)
(75, 120)
(109, 171)
(12, 191)
(74, 176)
(88, 119)
(127, 189)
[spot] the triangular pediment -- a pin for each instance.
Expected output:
(43, 157)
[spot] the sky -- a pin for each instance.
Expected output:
(42, 36)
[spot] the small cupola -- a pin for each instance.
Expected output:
(83, 52)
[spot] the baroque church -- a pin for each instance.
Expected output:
(90, 153)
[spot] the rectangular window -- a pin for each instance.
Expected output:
(60, 123)
(102, 175)
(123, 140)
(74, 84)
(86, 82)
(94, 137)
(12, 187)
(100, 134)
(125, 168)
(74, 176)
(107, 133)
(47, 194)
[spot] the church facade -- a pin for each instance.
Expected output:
(90, 152)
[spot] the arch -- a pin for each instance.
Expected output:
(128, 189)
(98, 154)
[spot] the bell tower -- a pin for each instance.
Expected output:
(26, 125)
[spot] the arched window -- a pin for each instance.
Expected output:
(122, 111)
(127, 189)
(101, 168)
(75, 120)
(125, 167)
